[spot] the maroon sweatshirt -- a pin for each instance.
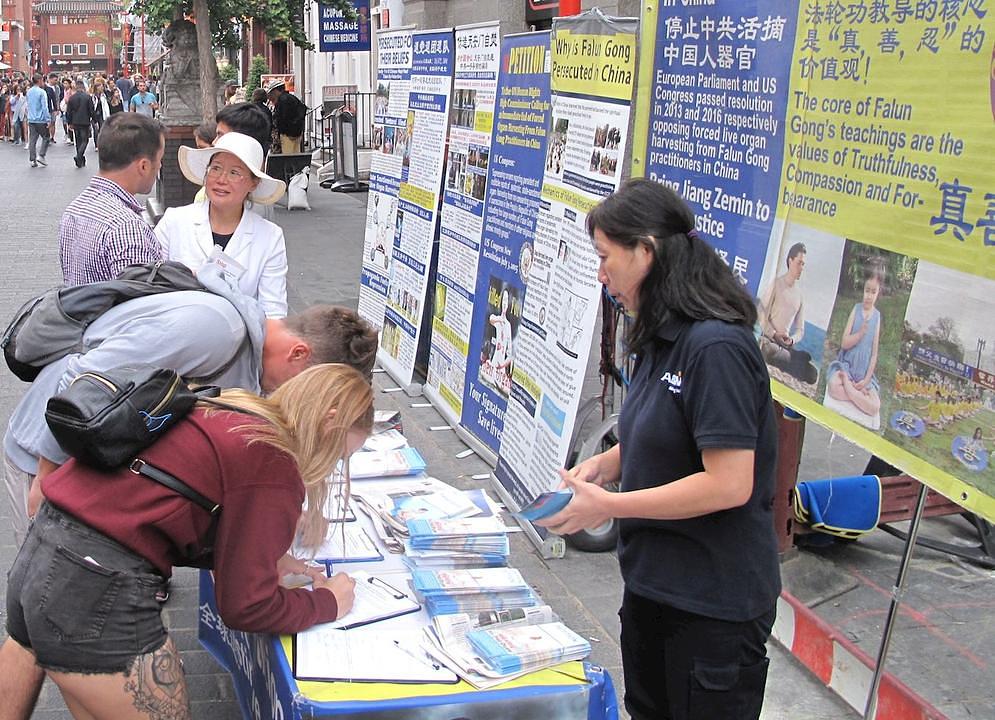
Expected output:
(260, 490)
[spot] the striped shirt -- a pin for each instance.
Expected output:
(102, 232)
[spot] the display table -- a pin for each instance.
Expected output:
(266, 688)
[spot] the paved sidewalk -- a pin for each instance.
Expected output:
(939, 648)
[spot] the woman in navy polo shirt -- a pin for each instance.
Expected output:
(696, 456)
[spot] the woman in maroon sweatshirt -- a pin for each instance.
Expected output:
(87, 586)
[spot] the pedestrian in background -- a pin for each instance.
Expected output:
(38, 120)
(5, 109)
(19, 115)
(143, 102)
(289, 114)
(68, 88)
(696, 457)
(116, 103)
(125, 86)
(54, 90)
(101, 109)
(79, 113)
(205, 134)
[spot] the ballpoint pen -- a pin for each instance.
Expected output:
(422, 659)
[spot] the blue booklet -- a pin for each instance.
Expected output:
(546, 504)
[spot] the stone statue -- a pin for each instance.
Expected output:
(180, 84)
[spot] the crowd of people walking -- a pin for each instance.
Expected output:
(32, 109)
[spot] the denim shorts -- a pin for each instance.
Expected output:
(80, 601)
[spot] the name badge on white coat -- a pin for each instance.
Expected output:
(229, 266)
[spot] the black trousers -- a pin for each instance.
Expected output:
(81, 134)
(682, 666)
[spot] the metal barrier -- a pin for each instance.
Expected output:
(320, 133)
(361, 106)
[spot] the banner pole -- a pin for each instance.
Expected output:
(896, 599)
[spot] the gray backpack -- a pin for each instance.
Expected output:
(51, 326)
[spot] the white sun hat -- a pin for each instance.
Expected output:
(193, 164)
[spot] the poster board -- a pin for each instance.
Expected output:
(471, 120)
(838, 158)
(390, 111)
(593, 68)
(420, 143)
(512, 200)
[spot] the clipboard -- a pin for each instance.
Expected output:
(322, 654)
(358, 546)
(375, 600)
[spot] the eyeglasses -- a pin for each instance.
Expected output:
(234, 175)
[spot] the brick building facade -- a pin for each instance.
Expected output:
(15, 34)
(78, 35)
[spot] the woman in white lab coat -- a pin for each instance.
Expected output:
(223, 229)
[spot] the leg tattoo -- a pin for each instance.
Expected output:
(158, 686)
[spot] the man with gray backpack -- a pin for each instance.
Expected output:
(217, 336)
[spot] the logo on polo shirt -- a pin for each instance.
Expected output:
(673, 380)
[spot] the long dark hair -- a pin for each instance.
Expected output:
(687, 278)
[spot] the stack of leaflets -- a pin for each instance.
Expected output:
(386, 463)
(446, 641)
(472, 590)
(526, 648)
(449, 559)
(382, 500)
(482, 535)
(441, 503)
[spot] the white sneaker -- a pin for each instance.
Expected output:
(41, 161)
(25, 146)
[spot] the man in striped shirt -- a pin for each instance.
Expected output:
(102, 231)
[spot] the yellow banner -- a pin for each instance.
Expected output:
(601, 65)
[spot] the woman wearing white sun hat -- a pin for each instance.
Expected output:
(224, 229)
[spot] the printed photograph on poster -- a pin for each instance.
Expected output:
(456, 171)
(864, 337)
(402, 140)
(387, 148)
(571, 325)
(504, 309)
(398, 228)
(464, 108)
(525, 257)
(439, 310)
(390, 337)
(944, 392)
(383, 98)
(406, 303)
(795, 304)
(479, 157)
(557, 146)
(604, 158)
(382, 217)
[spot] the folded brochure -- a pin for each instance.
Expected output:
(546, 504)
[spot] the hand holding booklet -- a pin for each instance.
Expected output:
(546, 504)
